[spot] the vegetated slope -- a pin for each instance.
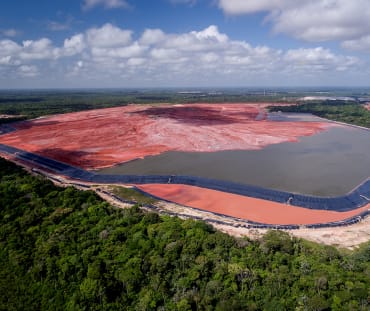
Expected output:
(347, 112)
(63, 249)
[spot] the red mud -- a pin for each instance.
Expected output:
(101, 138)
(252, 209)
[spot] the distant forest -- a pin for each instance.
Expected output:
(347, 112)
(32, 104)
(64, 249)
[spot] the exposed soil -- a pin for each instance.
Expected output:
(247, 208)
(105, 137)
(9, 116)
(344, 237)
(348, 236)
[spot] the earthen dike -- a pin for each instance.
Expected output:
(72, 144)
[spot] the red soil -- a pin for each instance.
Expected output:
(101, 138)
(252, 209)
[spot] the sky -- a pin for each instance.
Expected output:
(184, 43)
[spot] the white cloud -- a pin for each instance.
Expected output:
(238, 7)
(165, 55)
(38, 50)
(197, 41)
(136, 61)
(76, 69)
(9, 48)
(9, 32)
(108, 36)
(5, 60)
(27, 71)
(318, 59)
(189, 2)
(314, 20)
(361, 44)
(152, 36)
(108, 4)
(65, 22)
(74, 45)
(311, 56)
(210, 33)
(110, 54)
(58, 26)
(133, 50)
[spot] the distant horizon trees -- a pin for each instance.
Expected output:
(342, 111)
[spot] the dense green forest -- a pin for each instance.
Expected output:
(35, 104)
(342, 111)
(64, 249)
(32, 104)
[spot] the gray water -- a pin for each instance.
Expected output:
(330, 163)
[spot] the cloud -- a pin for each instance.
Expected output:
(361, 44)
(205, 54)
(188, 2)
(239, 7)
(39, 50)
(152, 36)
(57, 26)
(133, 50)
(108, 36)
(108, 4)
(112, 56)
(61, 26)
(314, 20)
(65, 22)
(198, 41)
(9, 32)
(27, 71)
(317, 59)
(9, 48)
(74, 45)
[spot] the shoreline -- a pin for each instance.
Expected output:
(349, 236)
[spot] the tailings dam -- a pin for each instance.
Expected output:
(330, 163)
(232, 159)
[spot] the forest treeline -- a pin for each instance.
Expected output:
(64, 249)
(32, 104)
(347, 112)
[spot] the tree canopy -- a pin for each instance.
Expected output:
(64, 249)
(342, 111)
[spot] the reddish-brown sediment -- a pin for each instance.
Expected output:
(101, 138)
(257, 210)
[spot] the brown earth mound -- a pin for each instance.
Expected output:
(105, 137)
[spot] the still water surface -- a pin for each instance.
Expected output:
(330, 163)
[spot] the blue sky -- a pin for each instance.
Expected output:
(184, 43)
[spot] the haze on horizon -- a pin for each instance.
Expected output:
(193, 43)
